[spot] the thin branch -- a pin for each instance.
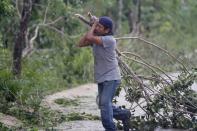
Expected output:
(150, 43)
(148, 64)
(136, 78)
(30, 43)
(46, 10)
(83, 19)
(133, 108)
(122, 38)
(17, 9)
(184, 111)
(55, 21)
(146, 77)
(35, 35)
(54, 28)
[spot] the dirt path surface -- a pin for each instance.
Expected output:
(86, 96)
(10, 121)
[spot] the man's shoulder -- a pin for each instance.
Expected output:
(109, 38)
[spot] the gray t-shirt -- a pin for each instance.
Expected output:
(105, 62)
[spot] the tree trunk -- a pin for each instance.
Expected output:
(134, 17)
(156, 5)
(119, 22)
(184, 4)
(20, 37)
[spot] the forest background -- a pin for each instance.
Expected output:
(38, 44)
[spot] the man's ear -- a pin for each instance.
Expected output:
(107, 30)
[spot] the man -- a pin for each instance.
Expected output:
(106, 71)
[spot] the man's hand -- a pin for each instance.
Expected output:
(94, 25)
(91, 37)
(93, 18)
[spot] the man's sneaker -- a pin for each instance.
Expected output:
(126, 121)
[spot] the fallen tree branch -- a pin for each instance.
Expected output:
(150, 43)
(143, 62)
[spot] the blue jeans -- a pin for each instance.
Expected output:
(106, 92)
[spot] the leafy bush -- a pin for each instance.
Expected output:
(4, 128)
(9, 87)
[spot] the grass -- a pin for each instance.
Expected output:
(4, 128)
(43, 118)
(81, 116)
(67, 102)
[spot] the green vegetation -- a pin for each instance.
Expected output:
(40, 119)
(5, 8)
(67, 102)
(162, 111)
(55, 63)
(81, 116)
(3, 127)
